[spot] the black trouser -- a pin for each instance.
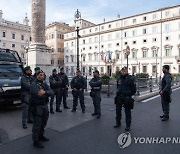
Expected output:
(96, 97)
(165, 105)
(57, 94)
(119, 105)
(80, 95)
(40, 115)
(26, 110)
(63, 95)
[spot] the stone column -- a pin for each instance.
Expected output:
(39, 54)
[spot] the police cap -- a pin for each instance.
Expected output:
(96, 71)
(54, 70)
(124, 68)
(166, 67)
(61, 68)
(27, 68)
(37, 69)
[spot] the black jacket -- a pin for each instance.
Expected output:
(26, 81)
(55, 82)
(35, 87)
(96, 83)
(166, 83)
(64, 79)
(126, 86)
(78, 83)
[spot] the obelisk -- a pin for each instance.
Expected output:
(39, 53)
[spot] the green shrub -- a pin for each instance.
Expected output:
(105, 79)
(142, 75)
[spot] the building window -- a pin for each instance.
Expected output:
(67, 59)
(52, 61)
(90, 48)
(117, 44)
(117, 35)
(90, 40)
(13, 36)
(84, 48)
(145, 31)
(154, 67)
(154, 16)
(109, 46)
(72, 43)
(72, 58)
(58, 61)
(90, 30)
(4, 44)
(125, 43)
(4, 34)
(90, 57)
(59, 49)
(133, 69)
(22, 46)
(102, 27)
(102, 38)
(154, 40)
(154, 52)
(84, 41)
(109, 26)
(134, 33)
(144, 69)
(102, 46)
(134, 42)
(72, 70)
(22, 55)
(102, 70)
(109, 36)
(167, 13)
(125, 22)
(84, 58)
(167, 54)
(90, 70)
(22, 37)
(117, 56)
(134, 20)
(144, 18)
(95, 57)
(13, 45)
(167, 27)
(144, 54)
(125, 34)
(52, 36)
(134, 54)
(96, 39)
(154, 29)
(30, 39)
(96, 47)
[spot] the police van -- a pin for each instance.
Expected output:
(11, 70)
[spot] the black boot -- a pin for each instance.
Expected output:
(161, 116)
(58, 110)
(165, 118)
(43, 138)
(66, 107)
(24, 126)
(118, 124)
(127, 128)
(38, 144)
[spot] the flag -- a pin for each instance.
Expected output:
(109, 55)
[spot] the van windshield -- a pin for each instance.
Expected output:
(10, 68)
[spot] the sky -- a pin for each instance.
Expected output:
(91, 10)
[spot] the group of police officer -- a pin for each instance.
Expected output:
(36, 93)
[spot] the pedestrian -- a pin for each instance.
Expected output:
(26, 81)
(126, 88)
(95, 93)
(64, 88)
(78, 85)
(55, 84)
(165, 92)
(40, 92)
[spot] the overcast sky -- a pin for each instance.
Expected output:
(92, 10)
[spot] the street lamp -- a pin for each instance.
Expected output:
(26, 50)
(77, 16)
(127, 53)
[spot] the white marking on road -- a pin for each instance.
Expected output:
(147, 100)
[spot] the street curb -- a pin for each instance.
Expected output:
(149, 95)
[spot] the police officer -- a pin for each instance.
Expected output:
(40, 92)
(55, 83)
(26, 81)
(166, 92)
(125, 89)
(95, 93)
(78, 85)
(64, 87)
(36, 69)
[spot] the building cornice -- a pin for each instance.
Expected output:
(128, 27)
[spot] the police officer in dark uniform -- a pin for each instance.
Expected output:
(55, 84)
(40, 92)
(125, 89)
(64, 87)
(26, 81)
(95, 93)
(166, 92)
(78, 85)
(36, 69)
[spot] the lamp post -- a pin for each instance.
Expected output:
(127, 53)
(156, 67)
(26, 50)
(77, 16)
